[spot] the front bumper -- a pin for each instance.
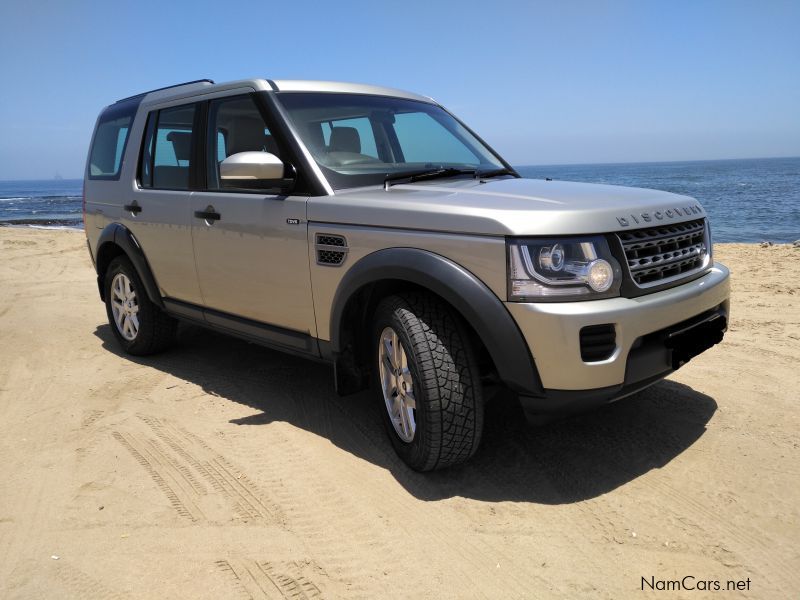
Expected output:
(642, 354)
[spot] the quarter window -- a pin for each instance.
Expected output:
(110, 139)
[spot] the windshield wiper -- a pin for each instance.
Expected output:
(494, 173)
(424, 175)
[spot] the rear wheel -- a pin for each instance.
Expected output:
(427, 381)
(140, 326)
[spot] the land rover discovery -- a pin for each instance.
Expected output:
(370, 228)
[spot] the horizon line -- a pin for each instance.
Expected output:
(578, 164)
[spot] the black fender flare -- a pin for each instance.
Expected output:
(467, 294)
(121, 236)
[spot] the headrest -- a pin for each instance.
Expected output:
(315, 137)
(181, 144)
(345, 139)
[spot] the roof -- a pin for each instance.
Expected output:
(288, 85)
(207, 86)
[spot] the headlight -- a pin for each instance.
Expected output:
(580, 268)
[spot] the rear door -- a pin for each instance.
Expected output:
(252, 261)
(158, 212)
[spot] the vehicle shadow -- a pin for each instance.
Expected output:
(562, 462)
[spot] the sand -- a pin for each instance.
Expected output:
(224, 470)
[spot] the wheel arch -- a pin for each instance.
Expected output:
(117, 240)
(388, 271)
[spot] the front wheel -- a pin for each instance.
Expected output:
(427, 381)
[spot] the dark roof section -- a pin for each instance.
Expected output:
(166, 88)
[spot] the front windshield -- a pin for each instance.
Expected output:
(360, 140)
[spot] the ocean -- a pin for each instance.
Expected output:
(51, 203)
(750, 200)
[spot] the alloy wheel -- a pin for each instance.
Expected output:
(125, 306)
(397, 385)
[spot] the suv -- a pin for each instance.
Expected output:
(370, 228)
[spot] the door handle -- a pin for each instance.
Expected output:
(133, 208)
(209, 214)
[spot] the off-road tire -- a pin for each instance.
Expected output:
(446, 380)
(156, 329)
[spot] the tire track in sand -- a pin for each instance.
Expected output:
(261, 579)
(167, 483)
(200, 484)
(224, 478)
(83, 586)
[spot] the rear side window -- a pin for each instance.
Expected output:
(168, 147)
(110, 140)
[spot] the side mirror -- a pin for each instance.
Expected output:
(251, 166)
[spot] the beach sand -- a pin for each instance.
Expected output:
(224, 470)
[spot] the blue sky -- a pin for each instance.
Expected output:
(544, 83)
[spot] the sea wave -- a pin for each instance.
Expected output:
(56, 227)
(43, 223)
(35, 198)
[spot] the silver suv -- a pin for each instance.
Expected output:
(370, 228)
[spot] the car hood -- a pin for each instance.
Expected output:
(505, 207)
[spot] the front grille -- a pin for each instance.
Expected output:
(665, 253)
(598, 342)
(331, 249)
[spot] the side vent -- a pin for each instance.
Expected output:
(331, 249)
(598, 342)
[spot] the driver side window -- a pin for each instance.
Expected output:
(235, 125)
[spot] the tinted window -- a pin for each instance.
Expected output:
(110, 139)
(172, 148)
(236, 125)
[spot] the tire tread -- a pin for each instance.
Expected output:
(446, 364)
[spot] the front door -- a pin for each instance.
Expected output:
(252, 261)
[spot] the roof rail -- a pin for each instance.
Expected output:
(168, 87)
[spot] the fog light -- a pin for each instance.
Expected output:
(600, 275)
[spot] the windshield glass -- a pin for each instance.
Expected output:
(360, 140)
